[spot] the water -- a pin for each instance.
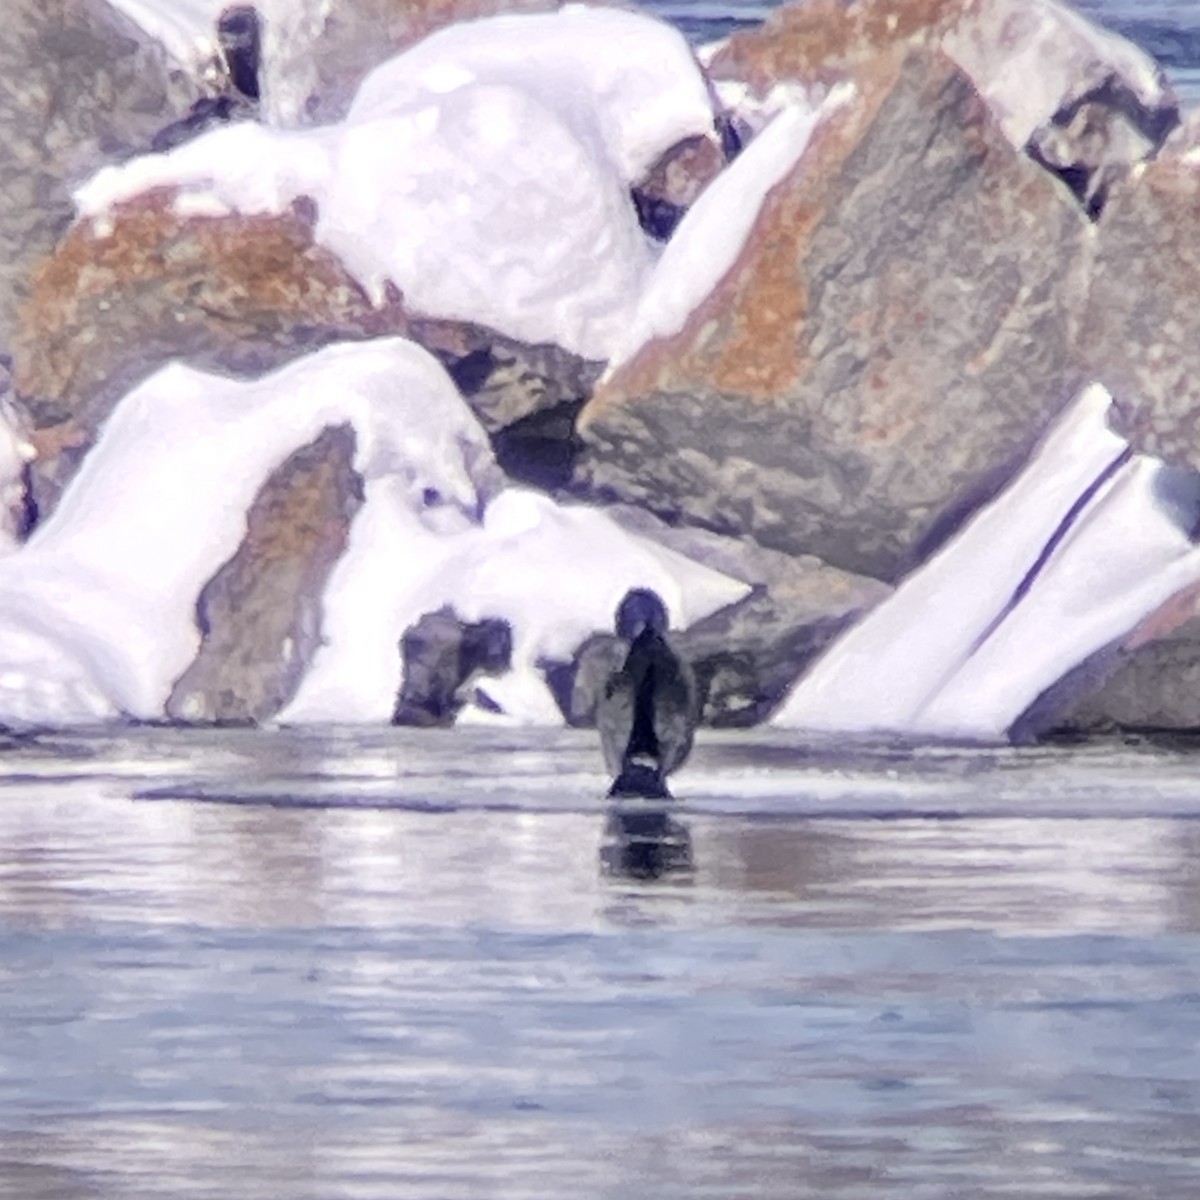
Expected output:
(395, 964)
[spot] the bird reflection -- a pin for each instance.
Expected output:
(645, 843)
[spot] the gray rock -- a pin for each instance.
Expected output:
(1140, 332)
(83, 86)
(526, 397)
(443, 655)
(260, 615)
(891, 343)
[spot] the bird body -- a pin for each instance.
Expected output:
(646, 713)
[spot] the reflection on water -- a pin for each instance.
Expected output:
(644, 842)
(400, 964)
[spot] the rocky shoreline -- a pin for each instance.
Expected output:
(813, 302)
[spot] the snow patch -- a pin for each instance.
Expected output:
(97, 610)
(1012, 603)
(623, 82)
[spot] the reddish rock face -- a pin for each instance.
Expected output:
(823, 41)
(235, 294)
(891, 342)
(260, 615)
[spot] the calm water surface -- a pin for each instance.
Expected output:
(405, 964)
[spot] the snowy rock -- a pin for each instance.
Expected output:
(1083, 102)
(97, 610)
(443, 656)
(83, 86)
(121, 297)
(260, 615)
(1085, 544)
(890, 342)
(511, 148)
(318, 52)
(627, 85)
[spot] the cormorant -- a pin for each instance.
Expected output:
(646, 713)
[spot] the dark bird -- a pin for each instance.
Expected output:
(646, 713)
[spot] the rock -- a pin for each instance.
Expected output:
(84, 86)
(239, 53)
(526, 397)
(675, 182)
(315, 58)
(240, 295)
(260, 615)
(746, 656)
(1150, 681)
(243, 295)
(1141, 327)
(891, 342)
(1083, 102)
(443, 655)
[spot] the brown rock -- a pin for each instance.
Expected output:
(236, 294)
(82, 86)
(243, 295)
(260, 614)
(891, 342)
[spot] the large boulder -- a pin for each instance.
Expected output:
(890, 343)
(260, 615)
(238, 294)
(80, 86)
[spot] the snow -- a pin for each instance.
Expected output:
(97, 610)
(944, 655)
(487, 208)
(484, 172)
(523, 564)
(713, 233)
(623, 82)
